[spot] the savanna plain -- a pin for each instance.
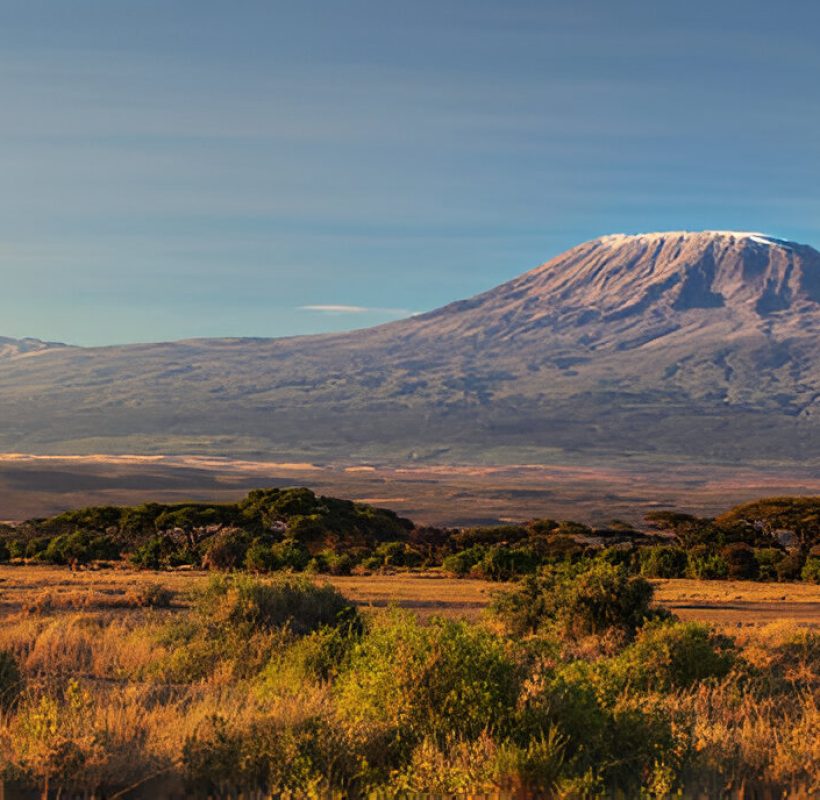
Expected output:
(580, 672)
(150, 684)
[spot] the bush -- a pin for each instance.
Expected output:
(372, 563)
(612, 740)
(291, 555)
(502, 563)
(5, 552)
(17, 548)
(767, 560)
(397, 554)
(577, 602)
(151, 595)
(461, 563)
(318, 656)
(497, 534)
(483, 767)
(791, 567)
(149, 555)
(703, 563)
(672, 655)
(619, 556)
(35, 547)
(811, 570)
(740, 561)
(296, 603)
(226, 549)
(663, 562)
(260, 557)
(329, 562)
(446, 679)
(266, 756)
(768, 516)
(340, 564)
(80, 546)
(559, 549)
(162, 551)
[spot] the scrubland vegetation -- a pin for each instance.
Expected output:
(777, 539)
(574, 684)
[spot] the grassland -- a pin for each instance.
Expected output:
(149, 684)
(730, 604)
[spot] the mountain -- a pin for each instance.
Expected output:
(10, 348)
(671, 345)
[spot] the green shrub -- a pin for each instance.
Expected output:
(482, 767)
(703, 563)
(462, 562)
(260, 557)
(663, 562)
(611, 739)
(767, 560)
(17, 548)
(619, 556)
(162, 551)
(149, 555)
(290, 555)
(318, 656)
(238, 622)
(35, 547)
(672, 655)
(497, 534)
(80, 546)
(242, 602)
(341, 564)
(372, 563)
(267, 756)
(331, 563)
(502, 563)
(446, 679)
(577, 601)
(397, 554)
(811, 570)
(391, 554)
(5, 552)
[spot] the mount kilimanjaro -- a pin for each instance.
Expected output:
(669, 345)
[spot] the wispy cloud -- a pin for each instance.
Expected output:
(344, 309)
(336, 309)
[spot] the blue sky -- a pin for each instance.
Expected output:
(178, 169)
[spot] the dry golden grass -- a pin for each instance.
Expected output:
(93, 688)
(741, 603)
(723, 603)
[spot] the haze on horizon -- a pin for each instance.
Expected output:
(181, 169)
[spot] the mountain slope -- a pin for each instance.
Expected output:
(11, 348)
(699, 345)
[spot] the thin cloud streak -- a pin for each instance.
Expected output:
(344, 309)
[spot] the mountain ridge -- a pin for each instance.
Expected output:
(620, 344)
(12, 348)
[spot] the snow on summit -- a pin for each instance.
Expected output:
(616, 239)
